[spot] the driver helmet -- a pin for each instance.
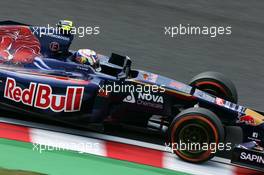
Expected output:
(65, 26)
(88, 57)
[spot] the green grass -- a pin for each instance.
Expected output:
(20, 156)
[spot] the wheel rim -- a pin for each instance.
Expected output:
(192, 134)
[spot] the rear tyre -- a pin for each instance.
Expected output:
(216, 84)
(196, 128)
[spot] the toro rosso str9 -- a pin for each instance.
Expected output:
(36, 83)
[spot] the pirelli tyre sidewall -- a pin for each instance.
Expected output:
(216, 84)
(195, 125)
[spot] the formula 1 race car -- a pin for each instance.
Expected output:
(63, 90)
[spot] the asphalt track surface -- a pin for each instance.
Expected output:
(136, 28)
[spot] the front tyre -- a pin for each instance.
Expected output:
(216, 84)
(195, 134)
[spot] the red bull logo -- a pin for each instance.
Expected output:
(18, 44)
(41, 96)
(247, 119)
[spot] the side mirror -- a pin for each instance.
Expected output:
(126, 69)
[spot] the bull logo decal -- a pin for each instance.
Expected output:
(18, 45)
